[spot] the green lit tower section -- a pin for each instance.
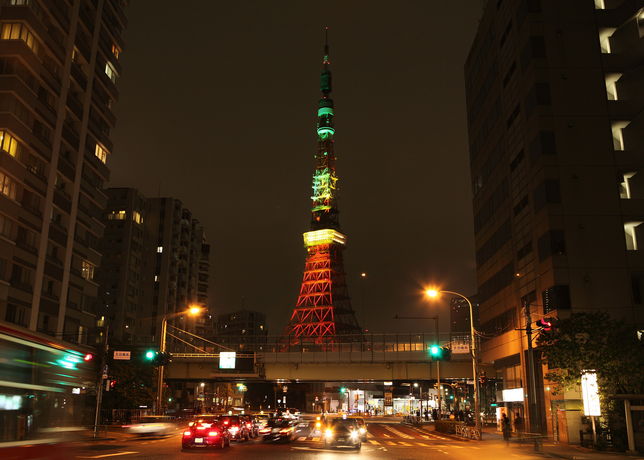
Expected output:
(323, 309)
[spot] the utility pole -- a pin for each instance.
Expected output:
(99, 381)
(161, 369)
(535, 412)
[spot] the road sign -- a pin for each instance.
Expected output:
(124, 355)
(227, 359)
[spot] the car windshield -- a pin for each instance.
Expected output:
(230, 419)
(279, 423)
(341, 423)
(206, 420)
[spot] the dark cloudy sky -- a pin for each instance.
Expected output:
(218, 105)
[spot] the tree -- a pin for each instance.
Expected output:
(134, 386)
(594, 341)
(610, 348)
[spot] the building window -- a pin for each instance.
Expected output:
(632, 231)
(159, 249)
(87, 270)
(136, 217)
(156, 278)
(624, 186)
(611, 85)
(604, 39)
(618, 135)
(8, 143)
(556, 298)
(117, 215)
(7, 186)
(110, 71)
(20, 2)
(18, 31)
(551, 243)
(116, 51)
(599, 5)
(101, 153)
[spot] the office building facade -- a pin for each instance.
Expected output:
(556, 124)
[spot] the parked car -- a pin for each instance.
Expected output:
(278, 429)
(152, 425)
(342, 432)
(236, 426)
(362, 427)
(206, 431)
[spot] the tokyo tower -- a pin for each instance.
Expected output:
(323, 309)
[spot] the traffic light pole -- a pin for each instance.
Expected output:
(161, 369)
(99, 383)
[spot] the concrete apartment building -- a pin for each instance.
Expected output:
(156, 263)
(59, 65)
(232, 328)
(556, 130)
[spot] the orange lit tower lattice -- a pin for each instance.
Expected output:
(323, 308)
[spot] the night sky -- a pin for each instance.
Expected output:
(218, 108)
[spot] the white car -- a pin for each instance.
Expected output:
(150, 424)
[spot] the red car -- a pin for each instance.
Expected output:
(237, 427)
(206, 432)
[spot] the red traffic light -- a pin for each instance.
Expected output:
(545, 324)
(112, 383)
(88, 357)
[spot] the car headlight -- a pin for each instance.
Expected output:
(354, 435)
(328, 434)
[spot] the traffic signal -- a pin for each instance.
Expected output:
(544, 324)
(112, 383)
(163, 358)
(150, 355)
(343, 390)
(88, 357)
(439, 353)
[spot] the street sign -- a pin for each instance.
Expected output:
(124, 355)
(227, 359)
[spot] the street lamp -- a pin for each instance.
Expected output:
(193, 310)
(434, 293)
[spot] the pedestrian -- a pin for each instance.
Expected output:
(506, 428)
(426, 415)
(434, 414)
(518, 423)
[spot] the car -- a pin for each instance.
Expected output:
(207, 431)
(236, 426)
(342, 432)
(252, 424)
(362, 427)
(262, 420)
(278, 429)
(149, 425)
(293, 413)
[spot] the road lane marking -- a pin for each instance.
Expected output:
(111, 455)
(398, 433)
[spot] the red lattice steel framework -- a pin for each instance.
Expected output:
(323, 307)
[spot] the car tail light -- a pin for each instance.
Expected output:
(191, 423)
(265, 430)
(213, 433)
(234, 428)
(248, 425)
(187, 433)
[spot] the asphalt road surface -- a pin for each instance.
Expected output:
(384, 441)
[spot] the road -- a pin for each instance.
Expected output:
(384, 441)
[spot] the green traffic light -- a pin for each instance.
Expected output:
(343, 390)
(435, 350)
(149, 355)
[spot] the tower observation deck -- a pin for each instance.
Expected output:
(323, 309)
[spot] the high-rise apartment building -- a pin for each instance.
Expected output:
(59, 63)
(156, 264)
(556, 128)
(241, 326)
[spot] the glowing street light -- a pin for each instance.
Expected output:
(435, 293)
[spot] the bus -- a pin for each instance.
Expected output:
(46, 393)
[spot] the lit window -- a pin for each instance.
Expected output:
(631, 231)
(159, 249)
(156, 278)
(624, 186)
(599, 5)
(8, 143)
(116, 215)
(7, 186)
(110, 71)
(101, 153)
(618, 135)
(604, 39)
(116, 51)
(18, 31)
(136, 217)
(611, 87)
(87, 270)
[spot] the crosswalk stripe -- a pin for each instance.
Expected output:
(386, 435)
(458, 447)
(390, 443)
(398, 433)
(424, 436)
(403, 443)
(369, 436)
(373, 441)
(421, 444)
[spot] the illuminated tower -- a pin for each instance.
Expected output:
(323, 308)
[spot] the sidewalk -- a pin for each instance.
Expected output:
(549, 449)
